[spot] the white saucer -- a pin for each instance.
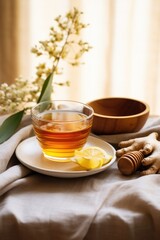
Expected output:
(29, 154)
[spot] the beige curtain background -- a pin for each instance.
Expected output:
(8, 40)
(14, 39)
(125, 35)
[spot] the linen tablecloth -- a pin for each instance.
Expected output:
(106, 205)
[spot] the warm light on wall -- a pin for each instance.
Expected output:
(124, 58)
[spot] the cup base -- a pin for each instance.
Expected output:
(58, 159)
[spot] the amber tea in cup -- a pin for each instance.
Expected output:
(61, 127)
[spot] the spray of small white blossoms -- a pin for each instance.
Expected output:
(64, 44)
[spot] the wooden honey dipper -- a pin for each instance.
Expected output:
(130, 162)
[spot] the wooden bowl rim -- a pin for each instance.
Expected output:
(146, 110)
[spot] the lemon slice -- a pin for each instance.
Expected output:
(92, 157)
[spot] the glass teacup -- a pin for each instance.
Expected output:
(61, 127)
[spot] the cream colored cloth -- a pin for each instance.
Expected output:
(9, 172)
(99, 207)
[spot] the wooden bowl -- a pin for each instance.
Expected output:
(117, 115)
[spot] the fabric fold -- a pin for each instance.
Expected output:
(11, 175)
(8, 147)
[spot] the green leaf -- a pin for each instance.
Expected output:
(46, 89)
(9, 126)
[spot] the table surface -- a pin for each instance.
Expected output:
(106, 205)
